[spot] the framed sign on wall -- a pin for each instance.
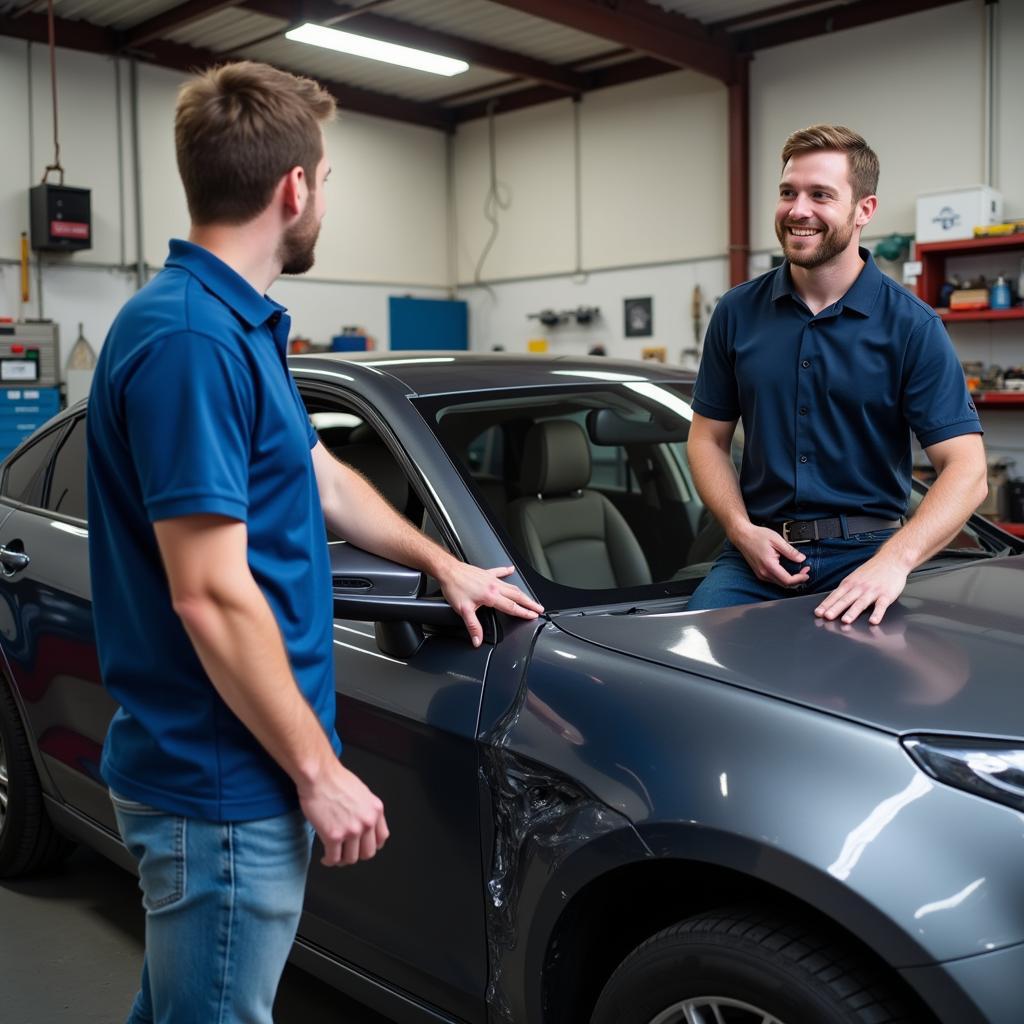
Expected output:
(639, 314)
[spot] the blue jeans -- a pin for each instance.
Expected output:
(222, 904)
(731, 581)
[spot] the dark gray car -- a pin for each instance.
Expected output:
(623, 811)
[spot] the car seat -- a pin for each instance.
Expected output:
(570, 534)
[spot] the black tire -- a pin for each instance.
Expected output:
(28, 840)
(758, 964)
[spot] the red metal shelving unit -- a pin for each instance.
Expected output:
(933, 257)
(999, 399)
(950, 316)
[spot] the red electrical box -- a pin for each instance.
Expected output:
(61, 218)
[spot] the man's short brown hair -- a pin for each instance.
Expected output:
(834, 138)
(238, 129)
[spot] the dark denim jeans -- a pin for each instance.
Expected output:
(731, 581)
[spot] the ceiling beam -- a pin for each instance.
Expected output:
(672, 38)
(81, 35)
(405, 34)
(830, 20)
(599, 78)
(176, 18)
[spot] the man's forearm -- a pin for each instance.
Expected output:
(237, 639)
(958, 490)
(718, 486)
(364, 518)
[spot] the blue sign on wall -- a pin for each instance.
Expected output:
(428, 323)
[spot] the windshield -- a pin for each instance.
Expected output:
(591, 489)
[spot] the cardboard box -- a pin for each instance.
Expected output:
(957, 212)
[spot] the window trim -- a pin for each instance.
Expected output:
(62, 428)
(71, 423)
(337, 393)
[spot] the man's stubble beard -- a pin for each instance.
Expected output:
(297, 248)
(832, 243)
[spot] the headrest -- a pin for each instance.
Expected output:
(556, 458)
(378, 465)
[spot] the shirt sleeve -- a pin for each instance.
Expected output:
(715, 394)
(189, 413)
(936, 402)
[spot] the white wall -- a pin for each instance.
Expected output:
(386, 203)
(498, 315)
(385, 233)
(912, 86)
(653, 170)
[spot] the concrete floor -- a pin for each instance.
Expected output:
(71, 951)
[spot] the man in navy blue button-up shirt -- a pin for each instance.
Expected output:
(830, 365)
(208, 496)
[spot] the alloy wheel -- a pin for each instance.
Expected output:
(714, 1010)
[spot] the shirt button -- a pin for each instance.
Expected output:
(806, 363)
(803, 458)
(275, 319)
(803, 410)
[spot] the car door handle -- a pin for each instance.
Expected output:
(13, 561)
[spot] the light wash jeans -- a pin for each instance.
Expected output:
(731, 581)
(222, 904)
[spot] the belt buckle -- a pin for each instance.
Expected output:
(798, 523)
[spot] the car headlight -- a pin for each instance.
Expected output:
(989, 768)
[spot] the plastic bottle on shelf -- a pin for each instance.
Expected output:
(999, 294)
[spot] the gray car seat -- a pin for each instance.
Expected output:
(571, 535)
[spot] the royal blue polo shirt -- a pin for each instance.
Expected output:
(828, 401)
(193, 411)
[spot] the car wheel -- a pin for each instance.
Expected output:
(28, 841)
(748, 966)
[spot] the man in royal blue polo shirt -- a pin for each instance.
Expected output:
(208, 495)
(830, 365)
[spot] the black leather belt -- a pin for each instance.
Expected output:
(803, 531)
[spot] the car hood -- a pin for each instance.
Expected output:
(948, 657)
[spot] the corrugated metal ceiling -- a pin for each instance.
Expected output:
(499, 26)
(239, 31)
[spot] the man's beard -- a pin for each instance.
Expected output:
(296, 251)
(831, 243)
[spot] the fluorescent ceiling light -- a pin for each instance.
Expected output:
(375, 49)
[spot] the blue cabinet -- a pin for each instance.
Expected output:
(22, 411)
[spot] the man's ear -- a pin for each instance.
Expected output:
(866, 209)
(294, 191)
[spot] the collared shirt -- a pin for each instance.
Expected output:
(193, 411)
(828, 401)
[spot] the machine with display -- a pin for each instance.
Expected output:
(29, 379)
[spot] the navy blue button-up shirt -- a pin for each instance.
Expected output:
(193, 411)
(828, 401)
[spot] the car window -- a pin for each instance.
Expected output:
(66, 492)
(25, 475)
(565, 495)
(352, 439)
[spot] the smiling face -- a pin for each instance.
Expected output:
(817, 218)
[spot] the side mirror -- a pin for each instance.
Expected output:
(368, 588)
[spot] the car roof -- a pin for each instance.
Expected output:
(443, 373)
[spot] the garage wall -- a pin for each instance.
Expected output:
(387, 195)
(913, 86)
(653, 181)
(498, 314)
(385, 233)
